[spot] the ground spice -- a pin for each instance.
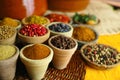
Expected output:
(83, 34)
(36, 51)
(9, 22)
(6, 51)
(34, 19)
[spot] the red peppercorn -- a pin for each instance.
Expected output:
(33, 30)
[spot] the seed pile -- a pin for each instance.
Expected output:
(101, 54)
(33, 30)
(63, 42)
(60, 27)
(6, 32)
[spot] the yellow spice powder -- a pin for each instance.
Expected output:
(6, 51)
(83, 34)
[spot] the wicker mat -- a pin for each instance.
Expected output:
(75, 71)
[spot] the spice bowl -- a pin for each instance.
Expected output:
(8, 35)
(35, 19)
(60, 28)
(8, 61)
(58, 17)
(84, 34)
(33, 37)
(63, 47)
(100, 56)
(36, 58)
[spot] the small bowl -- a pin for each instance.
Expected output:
(68, 33)
(38, 39)
(95, 64)
(24, 21)
(62, 56)
(52, 17)
(10, 40)
(91, 23)
(80, 42)
(18, 26)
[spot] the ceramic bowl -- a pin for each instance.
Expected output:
(24, 21)
(8, 66)
(93, 61)
(80, 42)
(35, 39)
(61, 16)
(10, 40)
(61, 57)
(36, 68)
(68, 33)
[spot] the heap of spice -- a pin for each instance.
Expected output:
(53, 17)
(36, 51)
(34, 19)
(9, 22)
(83, 34)
(84, 19)
(33, 30)
(101, 54)
(63, 42)
(60, 27)
(6, 51)
(6, 32)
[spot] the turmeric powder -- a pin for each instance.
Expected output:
(36, 51)
(9, 22)
(83, 33)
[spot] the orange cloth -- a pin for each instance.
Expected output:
(110, 74)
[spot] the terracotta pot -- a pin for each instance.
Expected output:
(22, 8)
(67, 5)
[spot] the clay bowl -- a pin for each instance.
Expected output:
(68, 33)
(103, 62)
(35, 39)
(81, 42)
(24, 21)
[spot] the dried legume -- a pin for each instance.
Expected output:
(34, 19)
(36, 51)
(6, 51)
(6, 32)
(53, 17)
(60, 27)
(101, 54)
(83, 33)
(33, 30)
(63, 42)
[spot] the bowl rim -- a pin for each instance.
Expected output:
(49, 42)
(60, 32)
(90, 27)
(95, 65)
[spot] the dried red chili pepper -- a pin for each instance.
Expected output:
(53, 17)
